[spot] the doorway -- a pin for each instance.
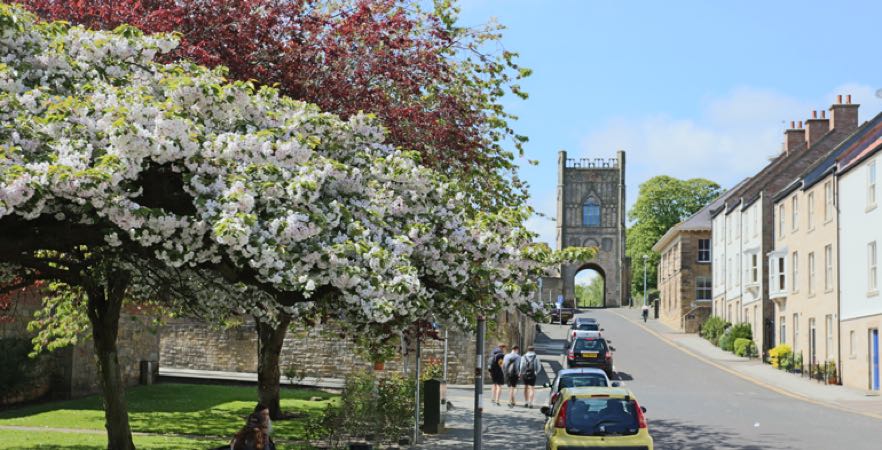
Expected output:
(874, 359)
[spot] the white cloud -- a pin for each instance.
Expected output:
(732, 137)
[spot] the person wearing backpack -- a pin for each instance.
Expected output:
(511, 365)
(528, 370)
(494, 366)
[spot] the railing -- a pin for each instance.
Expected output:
(592, 163)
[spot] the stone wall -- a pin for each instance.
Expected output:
(323, 352)
(72, 372)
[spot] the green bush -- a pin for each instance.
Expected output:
(727, 340)
(742, 331)
(15, 366)
(713, 328)
(371, 409)
(744, 347)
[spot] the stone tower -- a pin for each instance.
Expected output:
(591, 213)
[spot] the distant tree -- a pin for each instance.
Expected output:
(663, 202)
(591, 294)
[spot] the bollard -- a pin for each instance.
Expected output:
(434, 406)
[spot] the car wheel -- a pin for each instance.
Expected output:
(563, 322)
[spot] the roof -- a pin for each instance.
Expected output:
(861, 146)
(700, 221)
(581, 370)
(595, 390)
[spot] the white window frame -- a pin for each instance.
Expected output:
(705, 251)
(756, 220)
(795, 332)
(794, 213)
(794, 275)
(828, 268)
(782, 219)
(871, 184)
(810, 211)
(703, 285)
(782, 330)
(828, 341)
(754, 268)
(872, 268)
(828, 201)
(778, 273)
(811, 273)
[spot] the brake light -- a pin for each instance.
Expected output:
(554, 397)
(608, 355)
(574, 333)
(570, 355)
(561, 420)
(641, 419)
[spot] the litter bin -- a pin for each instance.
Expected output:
(149, 372)
(434, 406)
(655, 307)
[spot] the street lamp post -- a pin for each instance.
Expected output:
(645, 261)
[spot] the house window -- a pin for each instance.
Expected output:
(754, 268)
(794, 262)
(756, 221)
(810, 211)
(703, 288)
(795, 332)
(782, 274)
(828, 201)
(591, 213)
(828, 268)
(729, 273)
(828, 329)
(872, 271)
(871, 184)
(782, 334)
(781, 216)
(811, 273)
(794, 213)
(704, 250)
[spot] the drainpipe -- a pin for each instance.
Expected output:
(835, 184)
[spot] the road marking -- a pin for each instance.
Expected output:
(748, 378)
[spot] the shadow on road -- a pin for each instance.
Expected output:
(673, 434)
(623, 376)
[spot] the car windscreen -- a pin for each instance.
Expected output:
(590, 345)
(601, 416)
(582, 380)
(588, 327)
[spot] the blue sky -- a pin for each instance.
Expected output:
(686, 88)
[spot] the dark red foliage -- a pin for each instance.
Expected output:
(376, 56)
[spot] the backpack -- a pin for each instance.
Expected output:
(530, 366)
(495, 362)
(512, 368)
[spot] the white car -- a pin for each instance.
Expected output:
(569, 378)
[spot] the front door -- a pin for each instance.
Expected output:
(874, 359)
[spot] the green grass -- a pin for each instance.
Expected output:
(189, 409)
(20, 440)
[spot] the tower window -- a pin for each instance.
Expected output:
(591, 213)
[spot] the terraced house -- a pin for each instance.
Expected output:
(748, 223)
(860, 238)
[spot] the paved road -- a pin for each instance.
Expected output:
(692, 405)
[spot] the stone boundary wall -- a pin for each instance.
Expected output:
(322, 352)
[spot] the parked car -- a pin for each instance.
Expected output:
(562, 315)
(591, 352)
(583, 327)
(584, 377)
(596, 417)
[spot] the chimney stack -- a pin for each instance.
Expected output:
(794, 137)
(844, 116)
(816, 128)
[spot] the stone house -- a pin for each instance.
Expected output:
(749, 220)
(685, 278)
(860, 228)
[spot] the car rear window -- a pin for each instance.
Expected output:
(590, 345)
(581, 380)
(588, 327)
(601, 417)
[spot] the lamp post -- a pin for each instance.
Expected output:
(645, 261)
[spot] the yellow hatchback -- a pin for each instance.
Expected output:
(596, 417)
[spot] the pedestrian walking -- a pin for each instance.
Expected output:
(255, 435)
(645, 312)
(494, 366)
(511, 364)
(528, 371)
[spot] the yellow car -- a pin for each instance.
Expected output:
(596, 417)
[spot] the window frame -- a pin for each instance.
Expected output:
(706, 251)
(871, 184)
(794, 269)
(782, 219)
(590, 208)
(828, 268)
(703, 285)
(794, 213)
(810, 211)
(812, 272)
(872, 268)
(828, 201)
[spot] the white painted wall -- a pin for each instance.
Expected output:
(752, 245)
(859, 225)
(718, 249)
(733, 255)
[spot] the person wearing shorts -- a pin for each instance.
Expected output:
(510, 365)
(496, 373)
(528, 370)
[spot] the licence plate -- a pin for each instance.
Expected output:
(589, 354)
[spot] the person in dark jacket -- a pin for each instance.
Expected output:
(494, 365)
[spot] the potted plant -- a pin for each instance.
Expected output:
(832, 376)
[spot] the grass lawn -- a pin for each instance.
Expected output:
(20, 440)
(213, 411)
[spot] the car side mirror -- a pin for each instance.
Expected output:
(643, 408)
(545, 410)
(616, 384)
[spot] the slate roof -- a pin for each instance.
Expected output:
(700, 221)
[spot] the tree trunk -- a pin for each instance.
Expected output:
(104, 303)
(269, 347)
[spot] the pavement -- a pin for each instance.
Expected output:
(696, 395)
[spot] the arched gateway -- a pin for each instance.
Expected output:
(591, 213)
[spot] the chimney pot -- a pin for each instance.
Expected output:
(823, 114)
(792, 124)
(839, 99)
(815, 114)
(800, 124)
(848, 99)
